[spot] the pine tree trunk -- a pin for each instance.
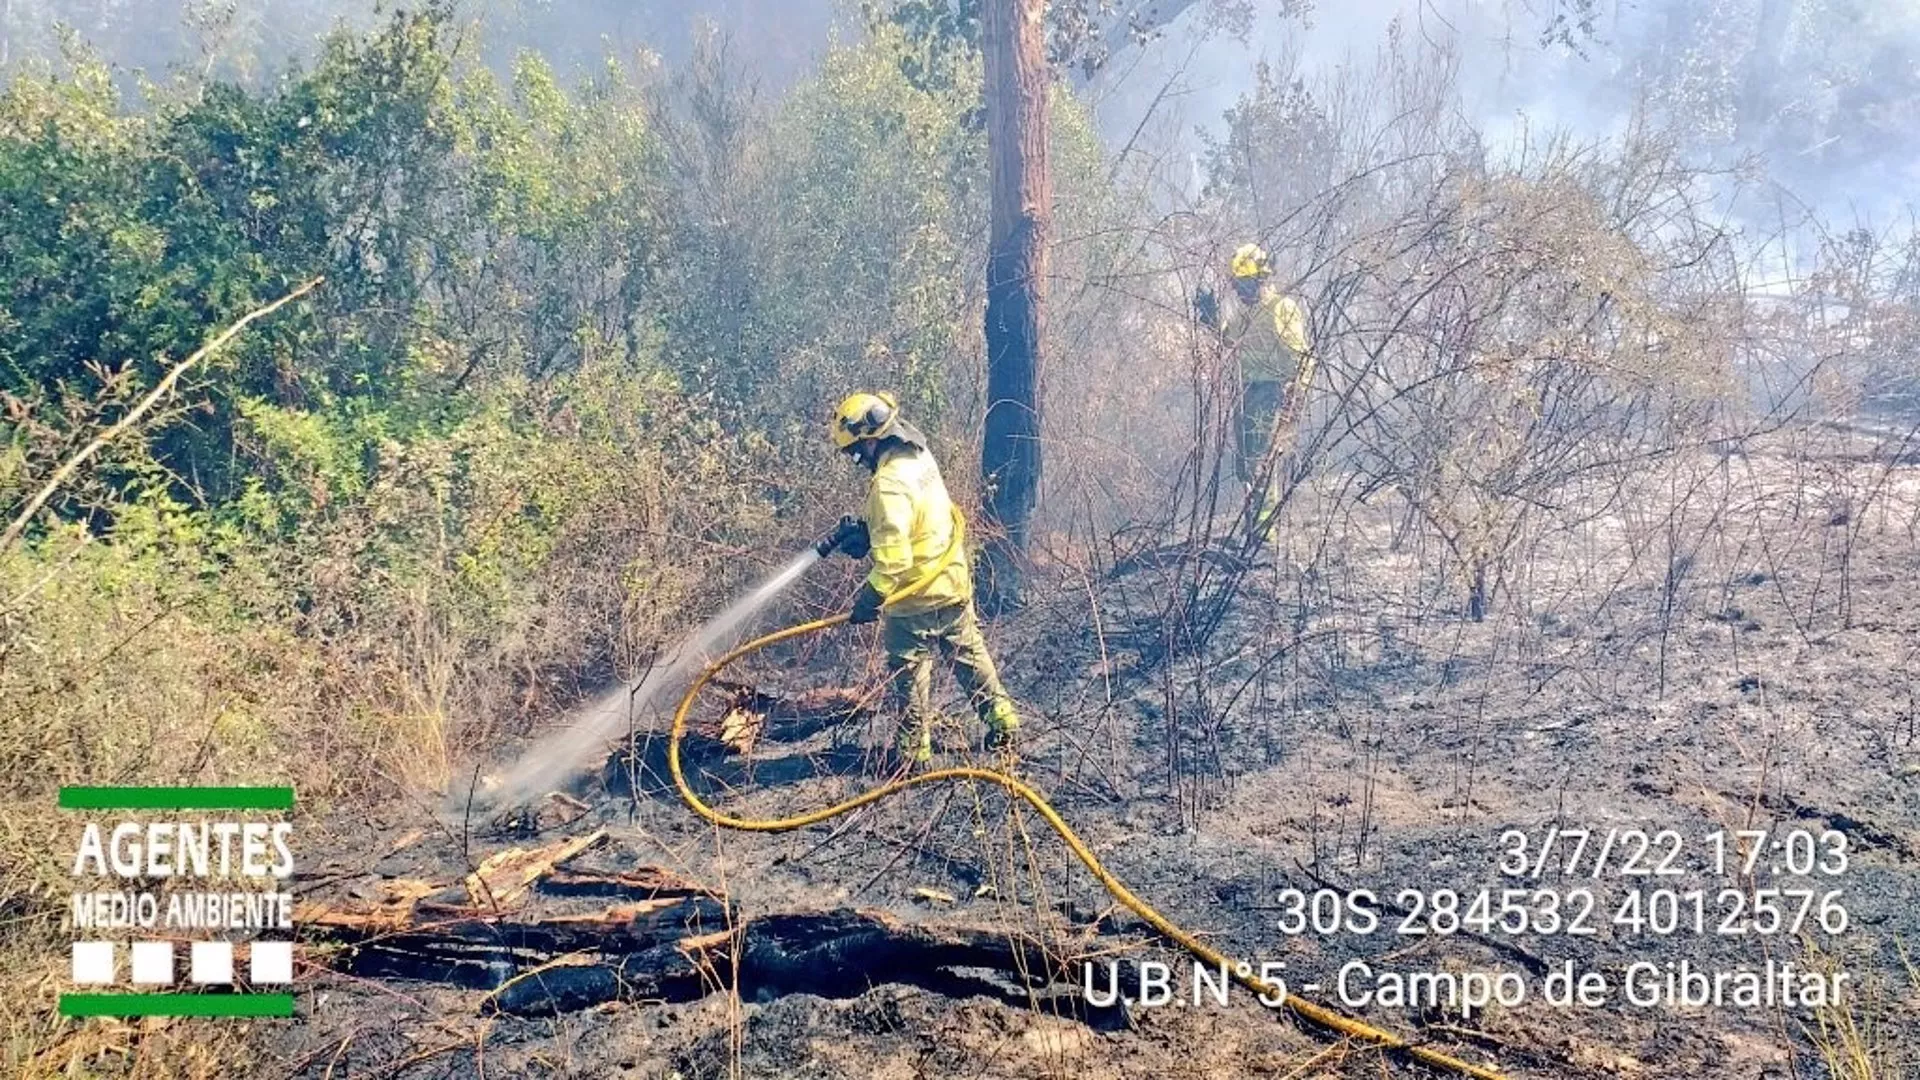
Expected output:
(1022, 193)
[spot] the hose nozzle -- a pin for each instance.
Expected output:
(850, 536)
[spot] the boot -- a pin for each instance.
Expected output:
(1004, 742)
(909, 754)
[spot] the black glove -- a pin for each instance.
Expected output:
(858, 544)
(850, 537)
(1206, 306)
(866, 605)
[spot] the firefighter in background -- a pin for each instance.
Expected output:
(908, 532)
(1266, 333)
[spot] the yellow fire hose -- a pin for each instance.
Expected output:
(1316, 1015)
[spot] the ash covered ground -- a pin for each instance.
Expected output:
(1346, 728)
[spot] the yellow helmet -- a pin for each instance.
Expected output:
(1250, 261)
(864, 416)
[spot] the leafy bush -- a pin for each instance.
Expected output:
(559, 393)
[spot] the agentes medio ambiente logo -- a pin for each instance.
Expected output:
(179, 904)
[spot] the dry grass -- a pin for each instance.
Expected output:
(1869, 1034)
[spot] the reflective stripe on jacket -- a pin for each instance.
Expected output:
(1269, 337)
(910, 525)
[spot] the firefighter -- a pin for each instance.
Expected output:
(909, 532)
(1267, 334)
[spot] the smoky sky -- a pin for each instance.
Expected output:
(1825, 92)
(771, 42)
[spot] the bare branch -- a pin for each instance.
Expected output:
(133, 416)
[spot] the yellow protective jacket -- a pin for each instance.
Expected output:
(1269, 337)
(910, 526)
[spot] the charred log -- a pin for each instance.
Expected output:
(678, 943)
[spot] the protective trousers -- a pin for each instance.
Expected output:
(911, 640)
(1260, 409)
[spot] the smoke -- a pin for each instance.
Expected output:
(1824, 94)
(775, 42)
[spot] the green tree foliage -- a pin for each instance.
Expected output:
(892, 182)
(561, 388)
(465, 229)
(133, 233)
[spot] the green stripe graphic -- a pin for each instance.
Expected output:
(176, 798)
(176, 1004)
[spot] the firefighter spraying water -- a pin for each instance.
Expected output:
(911, 534)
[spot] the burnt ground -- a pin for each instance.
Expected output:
(1346, 729)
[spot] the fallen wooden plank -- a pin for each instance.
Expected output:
(829, 702)
(647, 881)
(398, 903)
(503, 879)
(395, 909)
(485, 951)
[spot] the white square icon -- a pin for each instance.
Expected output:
(213, 961)
(272, 962)
(93, 962)
(153, 962)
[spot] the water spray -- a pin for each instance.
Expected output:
(586, 734)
